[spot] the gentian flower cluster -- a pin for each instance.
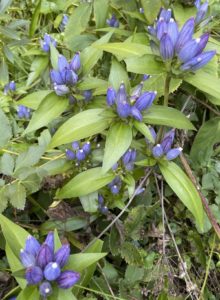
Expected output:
(101, 205)
(45, 43)
(164, 148)
(44, 266)
(128, 159)
(201, 11)
(9, 87)
(23, 112)
(130, 106)
(78, 153)
(113, 22)
(65, 76)
(170, 42)
(115, 185)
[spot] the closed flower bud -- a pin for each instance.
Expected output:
(45, 256)
(161, 28)
(172, 31)
(67, 279)
(135, 113)
(27, 259)
(100, 199)
(86, 148)
(115, 189)
(166, 48)
(153, 133)
(185, 34)
(23, 112)
(69, 77)
(75, 63)
(70, 155)
(121, 96)
(168, 141)
(157, 151)
(32, 246)
(136, 92)
(45, 289)
(165, 14)
(151, 30)
(61, 90)
(145, 100)
(198, 61)
(113, 22)
(87, 95)
(197, 4)
(56, 77)
(146, 77)
(34, 275)
(62, 255)
(127, 157)
(111, 96)
(62, 63)
(200, 16)
(75, 145)
(104, 210)
(80, 155)
(50, 241)
(129, 166)
(52, 271)
(123, 109)
(139, 191)
(173, 153)
(45, 43)
(12, 86)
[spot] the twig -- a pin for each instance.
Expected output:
(122, 212)
(202, 197)
(106, 280)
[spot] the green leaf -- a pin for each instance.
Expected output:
(53, 56)
(4, 76)
(184, 189)
(33, 100)
(6, 164)
(146, 63)
(90, 202)
(151, 9)
(38, 66)
(117, 75)
(5, 129)
(207, 136)
(118, 140)
(30, 292)
(81, 261)
(4, 5)
(65, 294)
(80, 126)
(100, 12)
(142, 128)
(35, 18)
(77, 22)
(16, 194)
(126, 49)
(206, 83)
(50, 108)
(131, 254)
(162, 115)
(3, 199)
(85, 183)
(90, 55)
(70, 224)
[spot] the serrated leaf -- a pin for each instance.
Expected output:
(85, 183)
(33, 100)
(80, 126)
(3, 199)
(162, 115)
(16, 194)
(6, 164)
(118, 140)
(207, 136)
(131, 254)
(49, 109)
(5, 129)
(184, 189)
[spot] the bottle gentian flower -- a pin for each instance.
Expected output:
(23, 112)
(67, 279)
(113, 22)
(45, 43)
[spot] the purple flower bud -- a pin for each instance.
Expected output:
(32, 246)
(165, 14)
(161, 28)
(104, 210)
(67, 279)
(50, 241)
(69, 77)
(157, 151)
(27, 259)
(129, 166)
(197, 4)
(45, 256)
(115, 189)
(70, 155)
(113, 22)
(172, 31)
(145, 100)
(62, 63)
(173, 153)
(168, 141)
(121, 96)
(136, 92)
(65, 20)
(136, 113)
(62, 255)
(123, 109)
(75, 63)
(75, 145)
(45, 289)
(151, 30)
(80, 155)
(100, 199)
(127, 156)
(88, 95)
(200, 16)
(61, 89)
(198, 61)
(185, 34)
(166, 48)
(139, 191)
(87, 148)
(145, 77)
(153, 133)
(12, 86)
(141, 10)
(56, 77)
(23, 112)
(34, 275)
(111, 96)
(52, 271)
(45, 43)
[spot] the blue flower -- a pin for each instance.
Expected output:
(11, 86)
(111, 96)
(23, 112)
(45, 43)
(67, 279)
(113, 22)
(166, 47)
(45, 289)
(52, 271)
(201, 11)
(64, 22)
